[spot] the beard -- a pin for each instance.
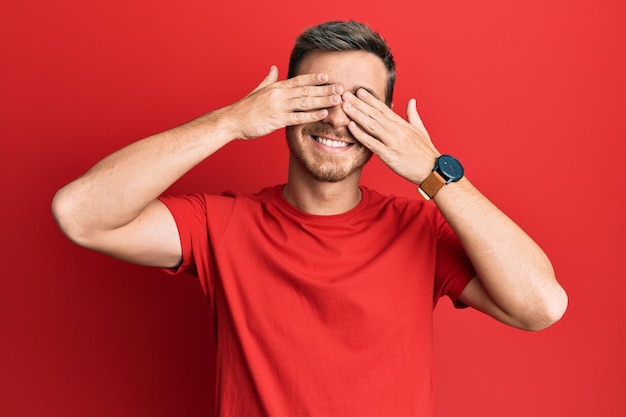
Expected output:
(326, 167)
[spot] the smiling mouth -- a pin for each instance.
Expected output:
(331, 143)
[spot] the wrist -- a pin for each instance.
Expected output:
(226, 123)
(427, 170)
(447, 169)
(207, 133)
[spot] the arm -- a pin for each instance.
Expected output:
(113, 208)
(515, 281)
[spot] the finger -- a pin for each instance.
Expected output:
(326, 90)
(377, 108)
(412, 115)
(306, 103)
(372, 100)
(365, 139)
(306, 80)
(371, 106)
(363, 114)
(298, 118)
(356, 105)
(271, 78)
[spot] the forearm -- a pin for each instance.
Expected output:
(517, 282)
(118, 188)
(513, 270)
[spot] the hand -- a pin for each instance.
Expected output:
(276, 104)
(403, 146)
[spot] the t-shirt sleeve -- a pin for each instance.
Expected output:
(453, 269)
(201, 220)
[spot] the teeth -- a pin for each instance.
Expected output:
(331, 143)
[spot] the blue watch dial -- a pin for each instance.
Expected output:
(449, 168)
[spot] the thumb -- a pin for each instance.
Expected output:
(412, 115)
(271, 78)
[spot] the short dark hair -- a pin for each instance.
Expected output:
(339, 36)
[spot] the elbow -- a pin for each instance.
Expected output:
(549, 310)
(549, 302)
(66, 216)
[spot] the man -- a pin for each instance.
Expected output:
(322, 289)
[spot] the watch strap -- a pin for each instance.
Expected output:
(431, 185)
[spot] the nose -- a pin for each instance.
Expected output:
(336, 117)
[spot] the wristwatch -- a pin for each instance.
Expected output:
(447, 169)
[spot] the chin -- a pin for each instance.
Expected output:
(330, 170)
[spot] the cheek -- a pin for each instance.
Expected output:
(293, 135)
(295, 132)
(290, 132)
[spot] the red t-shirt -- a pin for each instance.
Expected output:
(321, 315)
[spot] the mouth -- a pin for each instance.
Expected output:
(331, 143)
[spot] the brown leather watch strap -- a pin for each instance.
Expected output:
(431, 185)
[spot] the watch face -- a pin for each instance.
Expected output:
(450, 168)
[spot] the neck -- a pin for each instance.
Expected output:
(322, 198)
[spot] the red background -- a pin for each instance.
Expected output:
(529, 95)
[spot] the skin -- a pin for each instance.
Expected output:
(304, 189)
(113, 208)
